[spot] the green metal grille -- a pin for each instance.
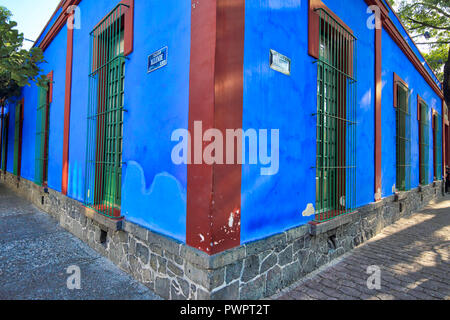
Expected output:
(424, 144)
(17, 137)
(336, 120)
(437, 139)
(42, 133)
(403, 138)
(105, 115)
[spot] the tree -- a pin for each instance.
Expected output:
(18, 67)
(430, 20)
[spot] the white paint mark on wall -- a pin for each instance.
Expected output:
(394, 188)
(309, 211)
(378, 194)
(342, 201)
(231, 220)
(201, 237)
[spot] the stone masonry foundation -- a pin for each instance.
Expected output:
(251, 271)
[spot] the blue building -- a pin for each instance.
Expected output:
(332, 108)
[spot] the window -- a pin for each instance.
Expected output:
(336, 119)
(4, 115)
(424, 143)
(437, 146)
(18, 126)
(105, 114)
(42, 133)
(403, 128)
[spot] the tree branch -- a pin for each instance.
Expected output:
(426, 24)
(434, 42)
(430, 6)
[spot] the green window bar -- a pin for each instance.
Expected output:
(403, 137)
(424, 143)
(42, 134)
(105, 115)
(336, 120)
(17, 138)
(437, 146)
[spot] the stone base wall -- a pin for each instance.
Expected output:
(252, 271)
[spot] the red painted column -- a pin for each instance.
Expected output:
(67, 102)
(378, 136)
(215, 99)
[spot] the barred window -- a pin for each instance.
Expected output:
(403, 127)
(336, 119)
(437, 146)
(4, 117)
(105, 115)
(18, 123)
(424, 141)
(42, 133)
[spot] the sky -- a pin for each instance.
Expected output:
(31, 16)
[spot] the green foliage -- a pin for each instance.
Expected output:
(436, 58)
(431, 17)
(18, 67)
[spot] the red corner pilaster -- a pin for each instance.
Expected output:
(67, 101)
(215, 99)
(378, 89)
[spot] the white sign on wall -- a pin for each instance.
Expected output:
(280, 63)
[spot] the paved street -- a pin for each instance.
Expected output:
(412, 255)
(35, 253)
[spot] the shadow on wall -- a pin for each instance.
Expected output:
(161, 208)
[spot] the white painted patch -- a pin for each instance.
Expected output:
(378, 194)
(394, 188)
(342, 201)
(231, 220)
(309, 211)
(202, 237)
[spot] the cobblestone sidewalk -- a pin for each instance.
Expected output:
(35, 253)
(412, 255)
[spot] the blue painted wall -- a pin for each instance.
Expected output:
(56, 62)
(56, 58)
(153, 188)
(10, 109)
(395, 61)
(272, 204)
(272, 100)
